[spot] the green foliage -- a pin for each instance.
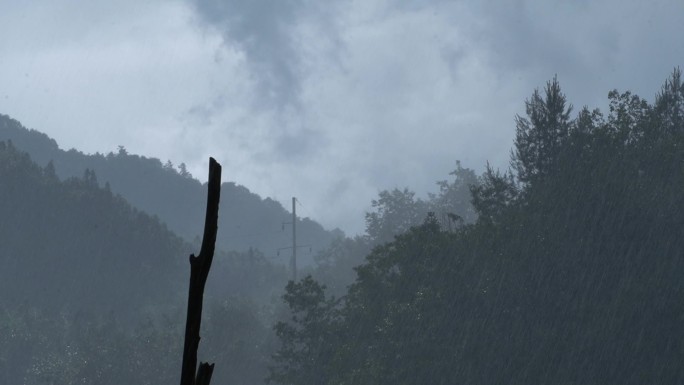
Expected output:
(669, 105)
(387, 306)
(452, 205)
(241, 340)
(335, 265)
(93, 289)
(571, 276)
(395, 212)
(306, 351)
(78, 242)
(100, 350)
(173, 195)
(494, 194)
(540, 136)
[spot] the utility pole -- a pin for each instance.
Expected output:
(293, 262)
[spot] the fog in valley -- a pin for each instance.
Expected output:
(438, 192)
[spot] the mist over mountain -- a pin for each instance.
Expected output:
(93, 288)
(75, 246)
(177, 199)
(565, 268)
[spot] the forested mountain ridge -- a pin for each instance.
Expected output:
(173, 195)
(71, 243)
(92, 289)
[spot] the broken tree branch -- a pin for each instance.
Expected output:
(199, 270)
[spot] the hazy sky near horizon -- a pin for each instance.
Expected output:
(330, 101)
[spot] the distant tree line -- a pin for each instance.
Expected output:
(173, 195)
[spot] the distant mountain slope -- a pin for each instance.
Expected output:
(93, 289)
(74, 246)
(246, 220)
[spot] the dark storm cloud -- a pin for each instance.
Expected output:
(270, 36)
(593, 46)
(263, 30)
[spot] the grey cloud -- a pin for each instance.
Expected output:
(299, 147)
(263, 30)
(589, 43)
(267, 33)
(338, 99)
(520, 40)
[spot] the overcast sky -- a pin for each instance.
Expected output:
(330, 101)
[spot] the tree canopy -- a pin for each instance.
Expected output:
(571, 273)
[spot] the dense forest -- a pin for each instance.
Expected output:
(572, 273)
(565, 268)
(93, 289)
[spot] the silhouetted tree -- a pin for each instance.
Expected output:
(540, 136)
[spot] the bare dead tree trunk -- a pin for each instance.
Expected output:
(199, 270)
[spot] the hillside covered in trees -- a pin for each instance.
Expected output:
(572, 273)
(173, 195)
(93, 290)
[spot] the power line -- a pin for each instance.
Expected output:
(293, 260)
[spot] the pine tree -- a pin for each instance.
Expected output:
(669, 104)
(539, 137)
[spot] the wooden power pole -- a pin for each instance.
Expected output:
(199, 270)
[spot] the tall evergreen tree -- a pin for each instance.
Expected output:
(539, 137)
(669, 104)
(627, 119)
